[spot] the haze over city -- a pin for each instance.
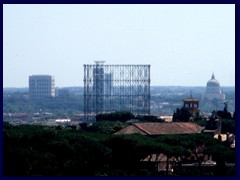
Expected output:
(184, 44)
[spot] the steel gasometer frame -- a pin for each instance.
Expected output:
(110, 88)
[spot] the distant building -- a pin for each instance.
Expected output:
(213, 90)
(41, 86)
(192, 105)
(188, 112)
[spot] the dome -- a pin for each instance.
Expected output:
(213, 82)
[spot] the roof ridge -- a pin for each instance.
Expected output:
(200, 128)
(135, 124)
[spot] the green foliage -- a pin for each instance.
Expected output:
(224, 114)
(188, 141)
(121, 116)
(181, 115)
(107, 127)
(6, 125)
(221, 154)
(66, 105)
(148, 118)
(202, 123)
(41, 150)
(218, 151)
(200, 119)
(228, 125)
(128, 151)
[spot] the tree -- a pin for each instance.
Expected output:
(181, 115)
(220, 154)
(224, 114)
(121, 116)
(228, 125)
(148, 118)
(107, 127)
(191, 143)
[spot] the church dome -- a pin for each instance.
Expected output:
(213, 82)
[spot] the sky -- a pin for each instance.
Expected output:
(184, 44)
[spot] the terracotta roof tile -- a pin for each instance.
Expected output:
(130, 130)
(162, 128)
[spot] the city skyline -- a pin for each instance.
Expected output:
(184, 44)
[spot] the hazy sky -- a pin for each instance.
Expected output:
(184, 44)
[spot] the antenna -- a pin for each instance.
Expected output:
(191, 94)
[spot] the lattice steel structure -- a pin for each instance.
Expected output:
(110, 88)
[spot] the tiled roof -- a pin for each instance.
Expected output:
(149, 128)
(130, 130)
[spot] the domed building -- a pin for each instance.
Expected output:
(213, 90)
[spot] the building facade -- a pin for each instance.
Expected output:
(41, 86)
(192, 105)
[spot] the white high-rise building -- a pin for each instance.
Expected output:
(41, 86)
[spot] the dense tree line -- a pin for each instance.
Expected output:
(124, 116)
(148, 118)
(105, 127)
(181, 115)
(58, 105)
(121, 116)
(42, 150)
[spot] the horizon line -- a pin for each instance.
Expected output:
(150, 86)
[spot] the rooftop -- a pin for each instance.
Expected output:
(150, 128)
(191, 99)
